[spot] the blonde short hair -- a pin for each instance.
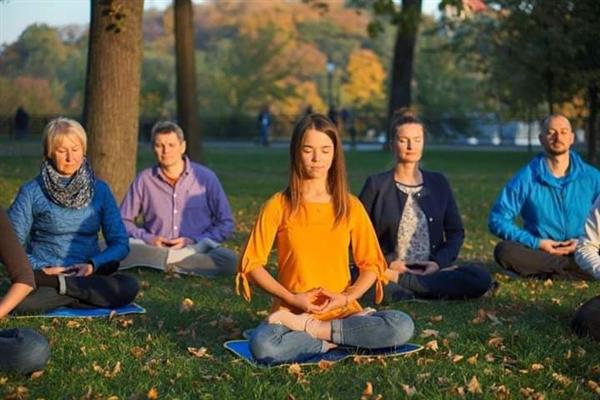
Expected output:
(60, 127)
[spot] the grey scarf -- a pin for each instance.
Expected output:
(76, 192)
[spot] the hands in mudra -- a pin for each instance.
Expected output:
(319, 300)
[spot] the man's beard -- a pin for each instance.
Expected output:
(554, 152)
(557, 152)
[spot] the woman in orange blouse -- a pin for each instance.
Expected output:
(313, 223)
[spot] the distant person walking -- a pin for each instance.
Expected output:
(21, 122)
(264, 124)
(334, 116)
(348, 125)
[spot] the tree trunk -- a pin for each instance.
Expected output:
(549, 79)
(112, 90)
(187, 105)
(593, 94)
(404, 51)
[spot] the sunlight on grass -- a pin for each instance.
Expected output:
(516, 344)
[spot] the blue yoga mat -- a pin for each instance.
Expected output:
(65, 312)
(241, 349)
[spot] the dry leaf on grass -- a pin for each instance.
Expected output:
(536, 367)
(496, 341)
(429, 333)
(436, 318)
(107, 372)
(489, 357)
(501, 392)
(186, 305)
(124, 322)
(152, 394)
(137, 351)
(36, 374)
(198, 352)
(432, 345)
(473, 359)
(594, 386)
(530, 394)
(479, 317)
(72, 324)
(325, 365)
(562, 379)
(457, 358)
(484, 315)
(295, 369)
(423, 361)
(368, 391)
(460, 390)
(581, 285)
(473, 386)
(409, 390)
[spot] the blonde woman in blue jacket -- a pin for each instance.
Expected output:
(58, 215)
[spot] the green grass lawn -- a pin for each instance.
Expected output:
(516, 344)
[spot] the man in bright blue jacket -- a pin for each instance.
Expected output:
(553, 195)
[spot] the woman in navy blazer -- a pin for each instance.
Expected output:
(418, 224)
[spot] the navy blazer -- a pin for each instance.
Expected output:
(384, 204)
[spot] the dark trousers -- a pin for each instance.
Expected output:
(587, 319)
(465, 282)
(528, 262)
(22, 351)
(102, 289)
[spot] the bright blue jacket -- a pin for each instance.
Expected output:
(550, 208)
(61, 236)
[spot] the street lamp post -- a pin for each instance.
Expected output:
(330, 70)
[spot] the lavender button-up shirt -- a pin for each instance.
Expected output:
(196, 207)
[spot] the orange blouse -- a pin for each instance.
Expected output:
(312, 251)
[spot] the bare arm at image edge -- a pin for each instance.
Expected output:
(19, 269)
(587, 255)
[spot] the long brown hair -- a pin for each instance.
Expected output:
(337, 184)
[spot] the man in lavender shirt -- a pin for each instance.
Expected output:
(185, 213)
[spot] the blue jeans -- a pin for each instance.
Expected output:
(275, 344)
(22, 351)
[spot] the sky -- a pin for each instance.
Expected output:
(16, 15)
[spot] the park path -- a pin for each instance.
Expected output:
(33, 147)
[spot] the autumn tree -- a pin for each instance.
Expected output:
(365, 82)
(111, 108)
(187, 104)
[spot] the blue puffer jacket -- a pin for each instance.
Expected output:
(550, 208)
(60, 236)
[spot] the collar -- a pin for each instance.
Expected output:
(187, 168)
(545, 175)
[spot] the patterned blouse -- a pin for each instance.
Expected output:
(413, 234)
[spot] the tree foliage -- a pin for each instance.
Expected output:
(366, 77)
(538, 53)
